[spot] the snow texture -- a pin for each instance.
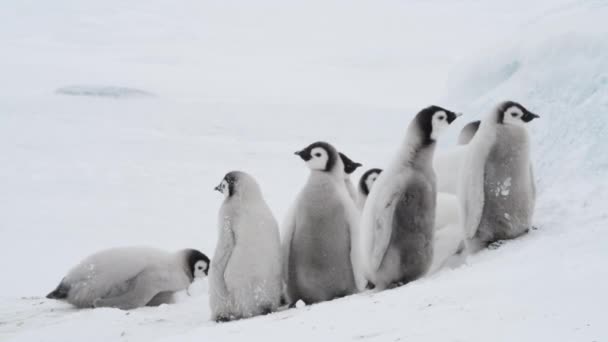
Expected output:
(241, 85)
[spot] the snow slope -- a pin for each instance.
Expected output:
(238, 85)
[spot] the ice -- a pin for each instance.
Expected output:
(102, 91)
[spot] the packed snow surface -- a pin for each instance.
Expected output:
(241, 85)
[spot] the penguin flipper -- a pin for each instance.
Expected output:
(382, 231)
(287, 231)
(221, 258)
(352, 218)
(61, 292)
(532, 187)
(145, 286)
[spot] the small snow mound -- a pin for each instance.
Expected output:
(103, 91)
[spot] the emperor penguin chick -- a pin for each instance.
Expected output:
(497, 192)
(350, 166)
(245, 276)
(130, 277)
(398, 220)
(320, 233)
(365, 185)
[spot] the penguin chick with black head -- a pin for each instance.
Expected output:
(350, 167)
(366, 182)
(397, 224)
(245, 277)
(320, 231)
(497, 192)
(130, 277)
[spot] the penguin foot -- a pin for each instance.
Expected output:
(266, 310)
(370, 286)
(496, 244)
(396, 285)
(222, 319)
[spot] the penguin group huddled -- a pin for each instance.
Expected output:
(401, 223)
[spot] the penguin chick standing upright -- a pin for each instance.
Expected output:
(497, 187)
(320, 232)
(349, 167)
(397, 225)
(245, 275)
(130, 277)
(365, 185)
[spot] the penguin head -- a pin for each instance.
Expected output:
(432, 121)
(237, 182)
(349, 165)
(227, 185)
(198, 263)
(468, 132)
(319, 156)
(367, 180)
(512, 113)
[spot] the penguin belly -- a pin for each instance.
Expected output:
(320, 267)
(508, 200)
(253, 277)
(410, 252)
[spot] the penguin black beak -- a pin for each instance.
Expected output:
(352, 167)
(529, 116)
(305, 155)
(218, 188)
(453, 117)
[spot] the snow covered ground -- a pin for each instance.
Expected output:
(185, 91)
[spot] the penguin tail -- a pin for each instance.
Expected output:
(61, 292)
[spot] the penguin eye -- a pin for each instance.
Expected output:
(317, 154)
(441, 117)
(514, 115)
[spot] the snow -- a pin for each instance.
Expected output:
(241, 85)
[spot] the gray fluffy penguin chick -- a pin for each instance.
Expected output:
(130, 277)
(350, 166)
(245, 276)
(497, 192)
(366, 182)
(397, 225)
(320, 232)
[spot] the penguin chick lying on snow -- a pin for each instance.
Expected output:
(130, 277)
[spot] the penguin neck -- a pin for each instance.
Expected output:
(243, 196)
(416, 152)
(182, 260)
(333, 175)
(246, 191)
